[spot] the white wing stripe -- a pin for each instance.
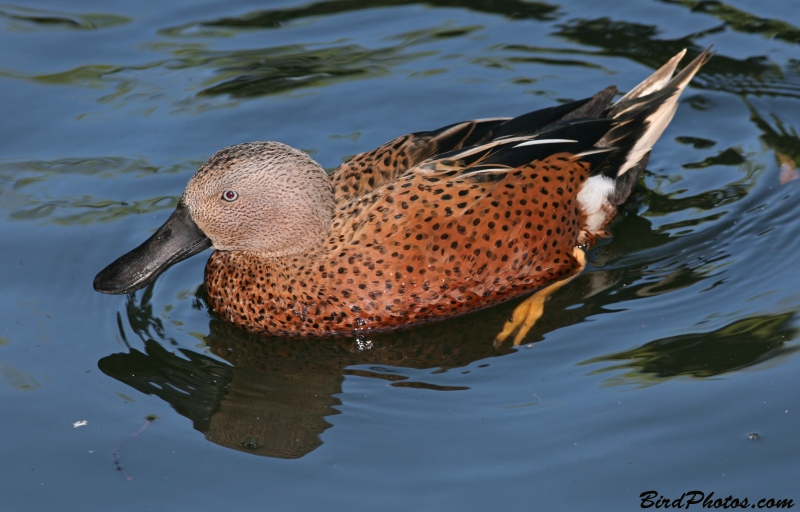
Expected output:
(543, 141)
(595, 151)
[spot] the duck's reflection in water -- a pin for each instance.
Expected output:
(274, 400)
(270, 414)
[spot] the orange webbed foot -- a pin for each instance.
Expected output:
(531, 309)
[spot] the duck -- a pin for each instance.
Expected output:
(429, 226)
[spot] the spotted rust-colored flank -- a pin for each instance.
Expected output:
(422, 248)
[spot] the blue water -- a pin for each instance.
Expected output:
(650, 371)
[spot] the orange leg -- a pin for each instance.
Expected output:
(532, 308)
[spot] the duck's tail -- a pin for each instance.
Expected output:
(641, 116)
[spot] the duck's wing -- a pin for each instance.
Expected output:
(489, 161)
(368, 171)
(615, 145)
(608, 147)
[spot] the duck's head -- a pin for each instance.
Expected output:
(261, 197)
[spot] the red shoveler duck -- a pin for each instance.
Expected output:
(428, 226)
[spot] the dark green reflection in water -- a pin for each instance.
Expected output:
(22, 18)
(754, 75)
(257, 73)
(273, 70)
(782, 139)
(742, 21)
(738, 345)
(660, 204)
(35, 190)
(273, 18)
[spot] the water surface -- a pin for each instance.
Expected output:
(651, 370)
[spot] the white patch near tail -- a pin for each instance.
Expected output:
(595, 200)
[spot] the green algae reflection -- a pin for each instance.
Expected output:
(738, 345)
(53, 192)
(27, 19)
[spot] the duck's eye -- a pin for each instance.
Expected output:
(230, 195)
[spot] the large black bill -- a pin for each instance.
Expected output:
(176, 240)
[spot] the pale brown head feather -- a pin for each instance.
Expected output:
(284, 202)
